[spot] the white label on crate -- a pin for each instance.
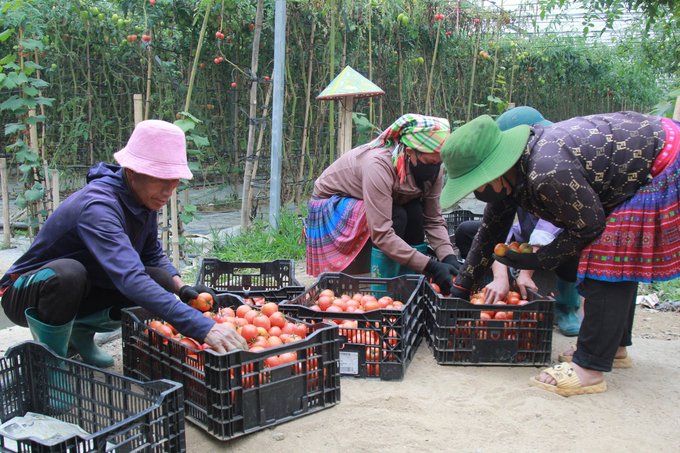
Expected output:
(349, 362)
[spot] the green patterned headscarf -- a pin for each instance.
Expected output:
(425, 134)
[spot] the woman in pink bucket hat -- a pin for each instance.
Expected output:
(99, 252)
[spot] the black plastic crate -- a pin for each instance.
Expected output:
(119, 413)
(456, 334)
(384, 341)
(455, 218)
(235, 393)
(272, 280)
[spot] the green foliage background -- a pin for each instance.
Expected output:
(93, 70)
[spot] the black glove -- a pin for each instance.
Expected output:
(186, 292)
(519, 260)
(442, 274)
(460, 292)
(453, 261)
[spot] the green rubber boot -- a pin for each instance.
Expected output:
(54, 337)
(567, 306)
(82, 337)
(59, 394)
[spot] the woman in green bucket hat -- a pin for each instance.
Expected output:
(611, 182)
(386, 190)
(536, 232)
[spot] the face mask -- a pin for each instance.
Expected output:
(488, 195)
(423, 171)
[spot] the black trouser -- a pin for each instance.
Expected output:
(61, 291)
(609, 312)
(407, 221)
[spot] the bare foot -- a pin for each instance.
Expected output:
(621, 353)
(586, 376)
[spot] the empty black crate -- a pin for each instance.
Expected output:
(455, 218)
(272, 280)
(235, 393)
(384, 340)
(119, 413)
(457, 335)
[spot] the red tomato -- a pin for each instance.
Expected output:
(228, 312)
(272, 361)
(287, 357)
(269, 309)
(249, 332)
(274, 341)
(300, 330)
(242, 310)
(275, 331)
(500, 249)
(324, 302)
(277, 320)
(262, 321)
(251, 315)
(190, 342)
(288, 328)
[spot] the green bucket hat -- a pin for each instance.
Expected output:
(477, 153)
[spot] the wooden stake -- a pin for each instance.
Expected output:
(676, 112)
(138, 105)
(175, 230)
(56, 199)
(5, 202)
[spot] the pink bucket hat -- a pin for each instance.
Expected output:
(156, 148)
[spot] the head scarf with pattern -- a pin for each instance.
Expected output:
(422, 133)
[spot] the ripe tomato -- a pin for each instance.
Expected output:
(273, 361)
(340, 303)
(526, 248)
(288, 328)
(249, 332)
(372, 305)
(274, 341)
(436, 288)
(277, 319)
(269, 309)
(334, 309)
(251, 315)
(324, 302)
(327, 293)
(500, 249)
(514, 246)
(293, 339)
(227, 312)
(262, 321)
(191, 343)
(385, 301)
(287, 357)
(240, 322)
(275, 331)
(242, 310)
(300, 330)
(262, 342)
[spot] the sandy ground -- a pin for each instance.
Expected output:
(480, 409)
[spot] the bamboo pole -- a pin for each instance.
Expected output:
(175, 230)
(138, 107)
(252, 113)
(428, 100)
(305, 127)
(676, 112)
(5, 201)
(56, 199)
(259, 148)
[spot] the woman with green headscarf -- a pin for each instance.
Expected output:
(386, 190)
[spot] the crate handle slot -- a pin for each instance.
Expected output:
(247, 271)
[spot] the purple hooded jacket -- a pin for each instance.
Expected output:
(103, 227)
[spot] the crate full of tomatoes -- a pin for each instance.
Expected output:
(379, 319)
(256, 282)
(510, 332)
(290, 370)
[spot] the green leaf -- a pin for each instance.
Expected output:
(12, 81)
(6, 34)
(185, 124)
(194, 152)
(33, 120)
(30, 102)
(13, 103)
(186, 218)
(32, 44)
(38, 83)
(30, 91)
(13, 66)
(9, 59)
(34, 195)
(34, 65)
(194, 167)
(44, 101)
(190, 208)
(198, 140)
(11, 128)
(21, 202)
